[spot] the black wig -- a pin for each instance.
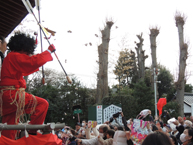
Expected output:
(22, 42)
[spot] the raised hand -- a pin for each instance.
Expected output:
(94, 124)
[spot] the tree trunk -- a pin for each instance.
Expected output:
(102, 76)
(141, 57)
(153, 34)
(180, 20)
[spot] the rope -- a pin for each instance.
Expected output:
(19, 101)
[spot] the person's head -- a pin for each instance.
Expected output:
(120, 128)
(181, 120)
(187, 135)
(164, 129)
(174, 140)
(115, 125)
(154, 127)
(3, 44)
(158, 125)
(78, 126)
(66, 128)
(111, 126)
(157, 138)
(103, 128)
(84, 123)
(72, 131)
(187, 123)
(168, 128)
(191, 118)
(110, 133)
(60, 133)
(130, 121)
(22, 43)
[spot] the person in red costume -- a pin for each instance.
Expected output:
(14, 101)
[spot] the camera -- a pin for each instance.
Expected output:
(116, 114)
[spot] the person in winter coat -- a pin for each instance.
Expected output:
(120, 138)
(109, 140)
(127, 129)
(179, 126)
(94, 140)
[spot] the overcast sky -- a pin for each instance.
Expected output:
(84, 18)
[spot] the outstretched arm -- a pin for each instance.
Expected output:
(125, 122)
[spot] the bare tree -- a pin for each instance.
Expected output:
(102, 76)
(180, 21)
(153, 34)
(141, 57)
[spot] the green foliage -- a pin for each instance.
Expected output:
(134, 100)
(166, 88)
(147, 78)
(144, 96)
(129, 103)
(126, 100)
(188, 88)
(167, 83)
(173, 108)
(124, 69)
(62, 97)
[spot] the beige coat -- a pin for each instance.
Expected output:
(119, 138)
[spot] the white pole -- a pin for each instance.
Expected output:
(154, 74)
(191, 109)
(50, 126)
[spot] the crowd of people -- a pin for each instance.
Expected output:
(161, 131)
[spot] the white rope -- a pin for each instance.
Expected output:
(26, 133)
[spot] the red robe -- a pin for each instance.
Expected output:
(15, 66)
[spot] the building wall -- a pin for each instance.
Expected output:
(187, 109)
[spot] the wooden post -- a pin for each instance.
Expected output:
(78, 118)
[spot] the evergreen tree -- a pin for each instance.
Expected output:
(124, 69)
(166, 85)
(188, 88)
(144, 97)
(125, 98)
(61, 97)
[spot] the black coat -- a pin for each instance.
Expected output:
(129, 142)
(180, 130)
